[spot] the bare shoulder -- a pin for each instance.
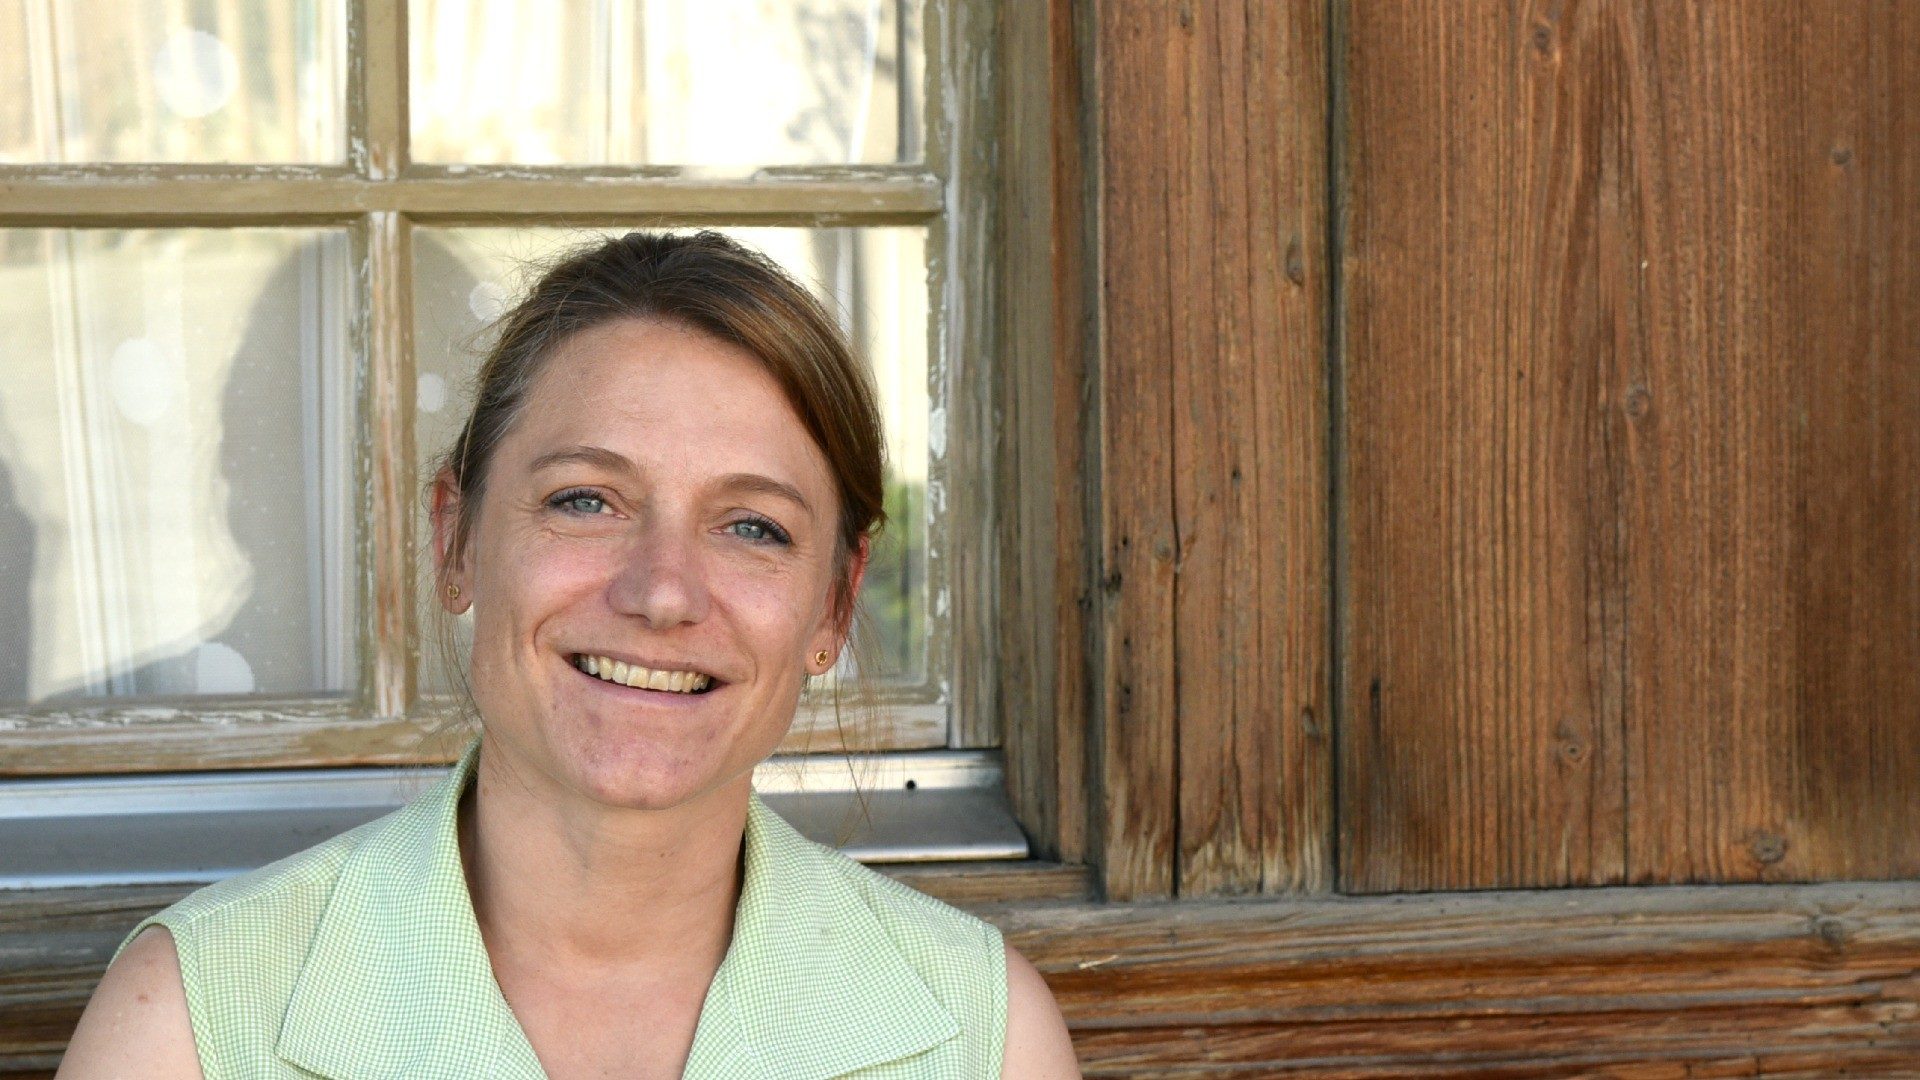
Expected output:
(1037, 1042)
(137, 1022)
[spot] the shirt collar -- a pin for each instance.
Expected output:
(397, 982)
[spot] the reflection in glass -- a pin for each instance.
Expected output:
(874, 278)
(144, 80)
(175, 463)
(725, 85)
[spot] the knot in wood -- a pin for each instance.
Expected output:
(1830, 930)
(1639, 401)
(1767, 848)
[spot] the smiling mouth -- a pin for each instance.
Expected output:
(641, 678)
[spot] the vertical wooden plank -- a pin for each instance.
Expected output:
(1289, 499)
(1213, 452)
(1482, 722)
(964, 269)
(1775, 698)
(1045, 571)
(1140, 80)
(1631, 588)
(1246, 277)
(1857, 148)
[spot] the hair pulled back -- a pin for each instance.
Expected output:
(707, 282)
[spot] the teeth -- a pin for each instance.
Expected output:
(618, 671)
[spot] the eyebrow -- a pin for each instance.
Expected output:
(754, 483)
(583, 455)
(601, 457)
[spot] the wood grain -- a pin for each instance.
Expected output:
(1786, 981)
(1214, 469)
(1248, 293)
(1631, 588)
(1046, 572)
(1138, 77)
(1800, 981)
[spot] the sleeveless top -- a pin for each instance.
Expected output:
(360, 958)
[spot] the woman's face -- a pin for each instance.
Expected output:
(657, 503)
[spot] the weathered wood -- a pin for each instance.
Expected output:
(179, 197)
(971, 885)
(964, 263)
(1781, 200)
(377, 87)
(1815, 980)
(1039, 438)
(160, 739)
(1047, 572)
(384, 278)
(1644, 982)
(1628, 505)
(299, 734)
(1247, 285)
(1140, 94)
(1213, 259)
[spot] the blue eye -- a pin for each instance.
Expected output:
(767, 532)
(569, 500)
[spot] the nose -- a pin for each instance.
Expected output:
(659, 577)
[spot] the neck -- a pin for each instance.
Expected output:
(565, 883)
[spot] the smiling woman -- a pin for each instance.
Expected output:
(660, 514)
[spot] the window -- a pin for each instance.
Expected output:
(249, 252)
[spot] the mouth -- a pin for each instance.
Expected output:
(679, 681)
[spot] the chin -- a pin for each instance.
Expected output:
(642, 775)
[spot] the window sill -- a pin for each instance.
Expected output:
(195, 828)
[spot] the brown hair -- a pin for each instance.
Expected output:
(711, 283)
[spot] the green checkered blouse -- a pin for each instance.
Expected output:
(360, 957)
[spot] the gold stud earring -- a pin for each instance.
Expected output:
(453, 591)
(820, 658)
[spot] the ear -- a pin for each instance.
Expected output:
(445, 513)
(835, 625)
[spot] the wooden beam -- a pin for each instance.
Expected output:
(1809, 981)
(1804, 981)
(1046, 573)
(1215, 738)
(1138, 101)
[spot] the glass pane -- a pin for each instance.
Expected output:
(175, 463)
(875, 278)
(724, 85)
(187, 80)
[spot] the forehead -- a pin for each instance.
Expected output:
(668, 398)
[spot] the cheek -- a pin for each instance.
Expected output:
(780, 611)
(518, 585)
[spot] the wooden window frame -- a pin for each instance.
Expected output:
(379, 196)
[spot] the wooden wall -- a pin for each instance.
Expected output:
(1631, 432)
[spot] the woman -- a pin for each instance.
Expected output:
(660, 513)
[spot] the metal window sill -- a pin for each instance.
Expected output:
(194, 828)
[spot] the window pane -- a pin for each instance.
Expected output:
(175, 463)
(727, 85)
(875, 278)
(145, 80)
